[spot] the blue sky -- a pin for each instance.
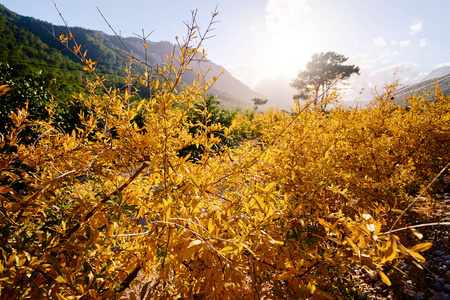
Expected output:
(260, 39)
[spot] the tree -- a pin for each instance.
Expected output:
(322, 73)
(257, 102)
(206, 113)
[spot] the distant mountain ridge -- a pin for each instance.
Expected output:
(18, 31)
(438, 73)
(440, 76)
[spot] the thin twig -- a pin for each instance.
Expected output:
(419, 197)
(418, 226)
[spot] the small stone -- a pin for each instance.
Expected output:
(439, 296)
(439, 279)
(373, 275)
(379, 283)
(447, 287)
(439, 287)
(410, 293)
(447, 276)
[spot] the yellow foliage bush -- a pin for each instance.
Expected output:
(291, 214)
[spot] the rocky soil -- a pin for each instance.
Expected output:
(432, 281)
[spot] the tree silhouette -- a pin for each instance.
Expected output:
(257, 102)
(322, 73)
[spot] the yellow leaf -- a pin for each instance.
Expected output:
(417, 255)
(362, 242)
(260, 202)
(211, 226)
(60, 279)
(61, 297)
(277, 242)
(192, 179)
(391, 251)
(3, 89)
(228, 249)
(422, 247)
(89, 65)
(384, 278)
(377, 228)
(283, 276)
(351, 243)
(168, 214)
(311, 287)
(248, 248)
(323, 223)
(195, 243)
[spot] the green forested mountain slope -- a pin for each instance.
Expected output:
(28, 46)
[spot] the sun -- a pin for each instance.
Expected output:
(286, 53)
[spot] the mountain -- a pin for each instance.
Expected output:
(26, 44)
(279, 92)
(438, 73)
(440, 76)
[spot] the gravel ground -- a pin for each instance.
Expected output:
(431, 282)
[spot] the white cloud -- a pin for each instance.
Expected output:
(363, 61)
(280, 13)
(423, 42)
(379, 41)
(385, 57)
(406, 72)
(416, 27)
(404, 43)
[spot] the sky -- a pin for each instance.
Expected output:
(265, 43)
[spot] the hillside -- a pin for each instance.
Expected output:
(28, 45)
(440, 76)
(438, 73)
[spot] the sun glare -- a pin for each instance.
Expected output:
(288, 53)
